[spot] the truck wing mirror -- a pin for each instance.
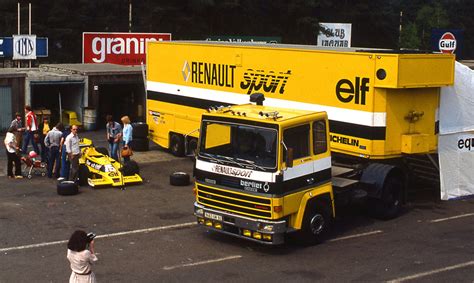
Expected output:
(289, 157)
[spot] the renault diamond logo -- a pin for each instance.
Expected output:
(186, 71)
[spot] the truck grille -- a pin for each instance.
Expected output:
(234, 202)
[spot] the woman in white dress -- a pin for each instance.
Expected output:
(81, 255)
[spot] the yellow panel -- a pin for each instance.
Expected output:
(426, 71)
(415, 143)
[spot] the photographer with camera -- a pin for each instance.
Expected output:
(81, 255)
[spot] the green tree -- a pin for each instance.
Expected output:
(409, 38)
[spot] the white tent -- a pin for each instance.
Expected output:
(456, 135)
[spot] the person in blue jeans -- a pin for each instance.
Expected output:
(31, 128)
(65, 164)
(127, 135)
(52, 141)
(114, 135)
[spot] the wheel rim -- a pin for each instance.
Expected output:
(317, 224)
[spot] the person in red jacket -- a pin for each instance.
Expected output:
(31, 127)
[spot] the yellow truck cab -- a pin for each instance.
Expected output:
(263, 171)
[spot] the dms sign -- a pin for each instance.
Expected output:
(23, 47)
(447, 41)
(118, 48)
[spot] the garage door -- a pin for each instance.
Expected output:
(5, 107)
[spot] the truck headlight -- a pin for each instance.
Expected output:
(268, 228)
(199, 211)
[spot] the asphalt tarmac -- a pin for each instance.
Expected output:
(147, 233)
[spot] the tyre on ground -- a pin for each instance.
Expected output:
(67, 188)
(179, 179)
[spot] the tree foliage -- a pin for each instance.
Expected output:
(375, 23)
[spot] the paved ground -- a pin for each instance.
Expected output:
(147, 233)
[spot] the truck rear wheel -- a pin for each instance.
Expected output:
(316, 223)
(385, 191)
(389, 205)
(177, 145)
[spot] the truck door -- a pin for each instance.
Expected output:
(298, 138)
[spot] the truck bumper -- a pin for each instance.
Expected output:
(257, 230)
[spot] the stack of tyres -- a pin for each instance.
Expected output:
(140, 137)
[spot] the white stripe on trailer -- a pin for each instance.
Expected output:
(371, 119)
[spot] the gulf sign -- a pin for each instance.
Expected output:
(447, 43)
(118, 48)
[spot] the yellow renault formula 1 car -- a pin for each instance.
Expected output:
(98, 169)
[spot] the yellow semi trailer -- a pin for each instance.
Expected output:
(381, 107)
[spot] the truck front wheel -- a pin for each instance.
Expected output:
(316, 223)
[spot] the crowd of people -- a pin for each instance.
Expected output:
(58, 146)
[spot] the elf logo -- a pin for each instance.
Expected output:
(447, 43)
(347, 91)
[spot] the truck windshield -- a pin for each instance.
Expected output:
(237, 144)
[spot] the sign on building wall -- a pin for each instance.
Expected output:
(335, 35)
(245, 38)
(118, 48)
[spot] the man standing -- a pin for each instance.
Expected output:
(52, 142)
(31, 128)
(114, 135)
(73, 152)
(17, 124)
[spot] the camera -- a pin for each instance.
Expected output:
(90, 237)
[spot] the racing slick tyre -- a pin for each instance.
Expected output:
(130, 168)
(179, 179)
(102, 150)
(140, 130)
(140, 144)
(316, 223)
(177, 145)
(67, 188)
(83, 175)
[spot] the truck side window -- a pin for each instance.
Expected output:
(298, 139)
(320, 144)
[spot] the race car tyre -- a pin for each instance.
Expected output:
(140, 130)
(83, 175)
(179, 179)
(177, 145)
(67, 188)
(102, 150)
(140, 144)
(130, 168)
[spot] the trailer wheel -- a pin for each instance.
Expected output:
(67, 188)
(83, 174)
(179, 179)
(177, 145)
(389, 205)
(316, 223)
(102, 150)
